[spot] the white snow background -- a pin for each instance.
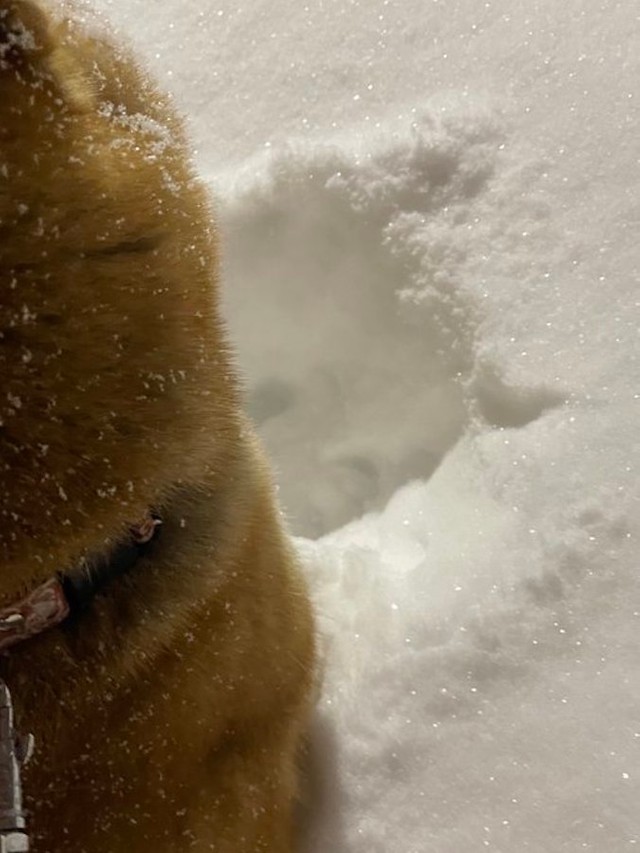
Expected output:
(430, 215)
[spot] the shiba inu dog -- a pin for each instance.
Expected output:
(168, 683)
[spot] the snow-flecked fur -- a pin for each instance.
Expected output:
(169, 717)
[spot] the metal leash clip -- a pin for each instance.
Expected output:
(14, 752)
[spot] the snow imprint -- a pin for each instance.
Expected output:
(348, 290)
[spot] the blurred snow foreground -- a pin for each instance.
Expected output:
(438, 320)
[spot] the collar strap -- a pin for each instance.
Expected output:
(67, 595)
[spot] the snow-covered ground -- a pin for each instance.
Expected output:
(430, 214)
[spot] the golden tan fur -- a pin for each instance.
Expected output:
(167, 718)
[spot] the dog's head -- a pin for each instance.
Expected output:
(113, 373)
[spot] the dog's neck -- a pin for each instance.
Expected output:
(66, 595)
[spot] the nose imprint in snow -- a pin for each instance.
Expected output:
(346, 293)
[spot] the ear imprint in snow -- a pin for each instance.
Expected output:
(507, 406)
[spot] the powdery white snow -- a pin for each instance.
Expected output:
(430, 251)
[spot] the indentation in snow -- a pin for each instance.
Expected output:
(346, 293)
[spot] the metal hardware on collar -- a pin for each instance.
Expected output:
(146, 530)
(13, 826)
(17, 842)
(45, 607)
(10, 622)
